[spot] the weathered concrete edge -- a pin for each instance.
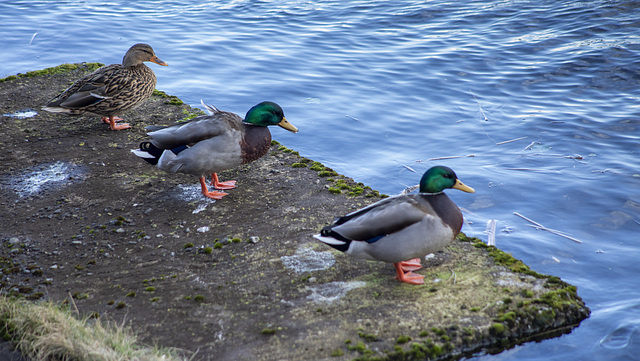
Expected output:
(557, 311)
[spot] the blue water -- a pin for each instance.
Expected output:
(378, 88)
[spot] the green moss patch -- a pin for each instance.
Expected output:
(168, 99)
(60, 69)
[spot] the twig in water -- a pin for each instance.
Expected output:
(509, 141)
(528, 220)
(545, 155)
(536, 170)
(452, 157)
(491, 232)
(543, 228)
(350, 117)
(528, 147)
(606, 170)
(575, 156)
(480, 106)
(557, 233)
(33, 37)
(409, 168)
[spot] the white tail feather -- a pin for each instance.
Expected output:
(141, 153)
(329, 240)
(56, 110)
(209, 108)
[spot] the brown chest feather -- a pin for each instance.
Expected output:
(255, 143)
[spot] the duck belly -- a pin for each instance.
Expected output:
(415, 241)
(207, 157)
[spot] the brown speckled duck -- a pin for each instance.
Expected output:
(112, 89)
(212, 143)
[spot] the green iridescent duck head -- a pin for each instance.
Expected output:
(439, 178)
(268, 113)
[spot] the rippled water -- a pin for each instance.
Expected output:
(378, 88)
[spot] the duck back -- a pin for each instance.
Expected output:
(110, 90)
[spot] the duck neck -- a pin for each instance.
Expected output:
(130, 61)
(446, 210)
(255, 142)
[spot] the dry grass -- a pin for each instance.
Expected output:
(44, 331)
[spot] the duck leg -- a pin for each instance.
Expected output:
(106, 120)
(210, 194)
(112, 121)
(221, 185)
(411, 265)
(408, 277)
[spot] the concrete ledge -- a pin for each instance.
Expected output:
(240, 278)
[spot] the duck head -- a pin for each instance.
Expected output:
(439, 178)
(268, 113)
(140, 53)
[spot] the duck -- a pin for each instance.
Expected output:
(211, 143)
(402, 229)
(112, 89)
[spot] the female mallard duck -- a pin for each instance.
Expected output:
(212, 143)
(402, 228)
(112, 89)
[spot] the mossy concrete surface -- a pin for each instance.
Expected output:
(240, 278)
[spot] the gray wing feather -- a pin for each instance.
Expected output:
(194, 131)
(380, 219)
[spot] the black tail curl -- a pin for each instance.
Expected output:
(157, 152)
(328, 232)
(153, 150)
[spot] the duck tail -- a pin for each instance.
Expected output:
(149, 152)
(56, 109)
(333, 239)
(161, 158)
(209, 108)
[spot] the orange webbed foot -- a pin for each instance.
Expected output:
(214, 194)
(113, 123)
(107, 121)
(411, 265)
(120, 126)
(215, 182)
(210, 194)
(409, 277)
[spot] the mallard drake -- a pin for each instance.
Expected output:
(402, 229)
(212, 143)
(112, 89)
